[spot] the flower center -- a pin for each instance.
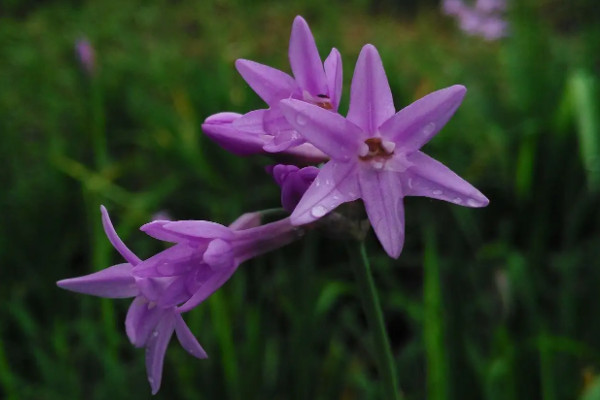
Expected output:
(375, 148)
(324, 102)
(320, 100)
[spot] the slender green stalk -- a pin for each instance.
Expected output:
(372, 308)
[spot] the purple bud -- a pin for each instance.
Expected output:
(293, 181)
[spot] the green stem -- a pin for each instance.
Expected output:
(372, 309)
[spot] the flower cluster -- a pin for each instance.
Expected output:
(373, 154)
(484, 18)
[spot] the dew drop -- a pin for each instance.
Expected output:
(318, 211)
(473, 203)
(301, 120)
(410, 183)
(151, 380)
(437, 192)
(428, 129)
(457, 200)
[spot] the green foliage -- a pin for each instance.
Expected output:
(498, 303)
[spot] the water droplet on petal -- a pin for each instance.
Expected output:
(151, 380)
(377, 164)
(437, 192)
(473, 203)
(428, 129)
(301, 120)
(318, 211)
(457, 200)
(155, 333)
(410, 183)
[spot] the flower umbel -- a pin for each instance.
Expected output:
(177, 279)
(375, 153)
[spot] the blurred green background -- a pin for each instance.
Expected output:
(494, 303)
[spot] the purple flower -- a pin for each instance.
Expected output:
(293, 182)
(375, 153)
(85, 55)
(205, 256)
(314, 82)
(244, 135)
(483, 19)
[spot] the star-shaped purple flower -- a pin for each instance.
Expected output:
(314, 82)
(375, 153)
(177, 279)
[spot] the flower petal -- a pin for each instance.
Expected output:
(269, 83)
(242, 135)
(245, 221)
(156, 349)
(174, 261)
(187, 339)
(382, 194)
(213, 283)
(430, 178)
(333, 74)
(335, 184)
(305, 60)
(284, 135)
(141, 319)
(416, 124)
(199, 229)
(115, 282)
(328, 131)
(371, 102)
(176, 231)
(115, 240)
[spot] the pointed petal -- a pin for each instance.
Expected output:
(430, 178)
(328, 131)
(371, 102)
(222, 118)
(242, 135)
(245, 221)
(269, 83)
(199, 229)
(141, 319)
(213, 283)
(333, 74)
(305, 60)
(115, 240)
(114, 282)
(336, 184)
(187, 339)
(382, 194)
(416, 124)
(156, 349)
(175, 231)
(174, 261)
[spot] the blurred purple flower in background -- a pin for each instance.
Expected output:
(375, 153)
(484, 18)
(204, 257)
(85, 55)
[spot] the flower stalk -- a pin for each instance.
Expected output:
(370, 301)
